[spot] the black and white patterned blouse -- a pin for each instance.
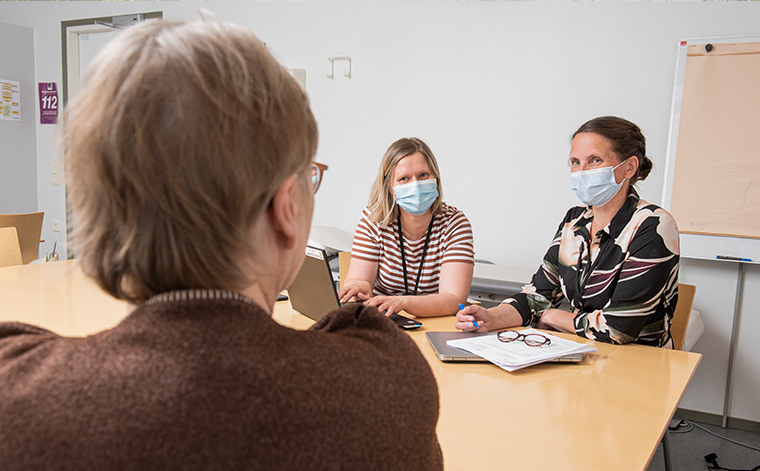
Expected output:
(622, 284)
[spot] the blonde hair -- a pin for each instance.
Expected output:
(174, 149)
(382, 207)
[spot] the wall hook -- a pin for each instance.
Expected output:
(332, 59)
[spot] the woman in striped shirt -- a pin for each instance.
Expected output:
(411, 251)
(615, 258)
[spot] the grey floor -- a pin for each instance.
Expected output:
(688, 449)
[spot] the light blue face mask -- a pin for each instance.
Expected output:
(416, 197)
(596, 187)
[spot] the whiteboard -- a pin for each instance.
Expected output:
(698, 245)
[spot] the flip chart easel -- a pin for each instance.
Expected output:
(712, 173)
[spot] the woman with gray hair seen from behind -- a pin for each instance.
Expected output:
(191, 182)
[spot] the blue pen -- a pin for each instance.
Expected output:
(474, 322)
(736, 259)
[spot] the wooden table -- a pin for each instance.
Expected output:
(608, 412)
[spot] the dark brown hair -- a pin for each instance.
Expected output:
(626, 139)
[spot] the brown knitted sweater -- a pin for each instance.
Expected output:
(217, 384)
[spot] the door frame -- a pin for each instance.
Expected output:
(70, 36)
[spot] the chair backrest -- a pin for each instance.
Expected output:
(681, 314)
(344, 262)
(10, 252)
(29, 228)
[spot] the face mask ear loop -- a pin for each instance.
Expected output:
(393, 192)
(621, 163)
(395, 201)
(618, 165)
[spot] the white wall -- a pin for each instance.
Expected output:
(18, 146)
(496, 89)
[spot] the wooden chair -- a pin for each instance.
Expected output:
(10, 252)
(29, 229)
(681, 314)
(678, 326)
(344, 261)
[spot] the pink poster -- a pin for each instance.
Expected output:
(48, 102)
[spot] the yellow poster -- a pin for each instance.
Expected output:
(10, 100)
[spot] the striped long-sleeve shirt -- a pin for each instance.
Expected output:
(450, 241)
(622, 284)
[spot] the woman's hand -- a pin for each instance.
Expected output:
(498, 317)
(361, 290)
(474, 319)
(389, 304)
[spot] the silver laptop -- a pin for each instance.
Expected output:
(444, 352)
(313, 293)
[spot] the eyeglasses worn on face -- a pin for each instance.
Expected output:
(317, 170)
(531, 340)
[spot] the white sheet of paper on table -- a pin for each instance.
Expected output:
(515, 355)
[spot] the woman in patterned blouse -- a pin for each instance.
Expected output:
(411, 251)
(615, 259)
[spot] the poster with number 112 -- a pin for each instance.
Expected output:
(48, 102)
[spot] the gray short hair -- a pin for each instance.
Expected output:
(174, 148)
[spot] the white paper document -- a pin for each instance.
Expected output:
(515, 355)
